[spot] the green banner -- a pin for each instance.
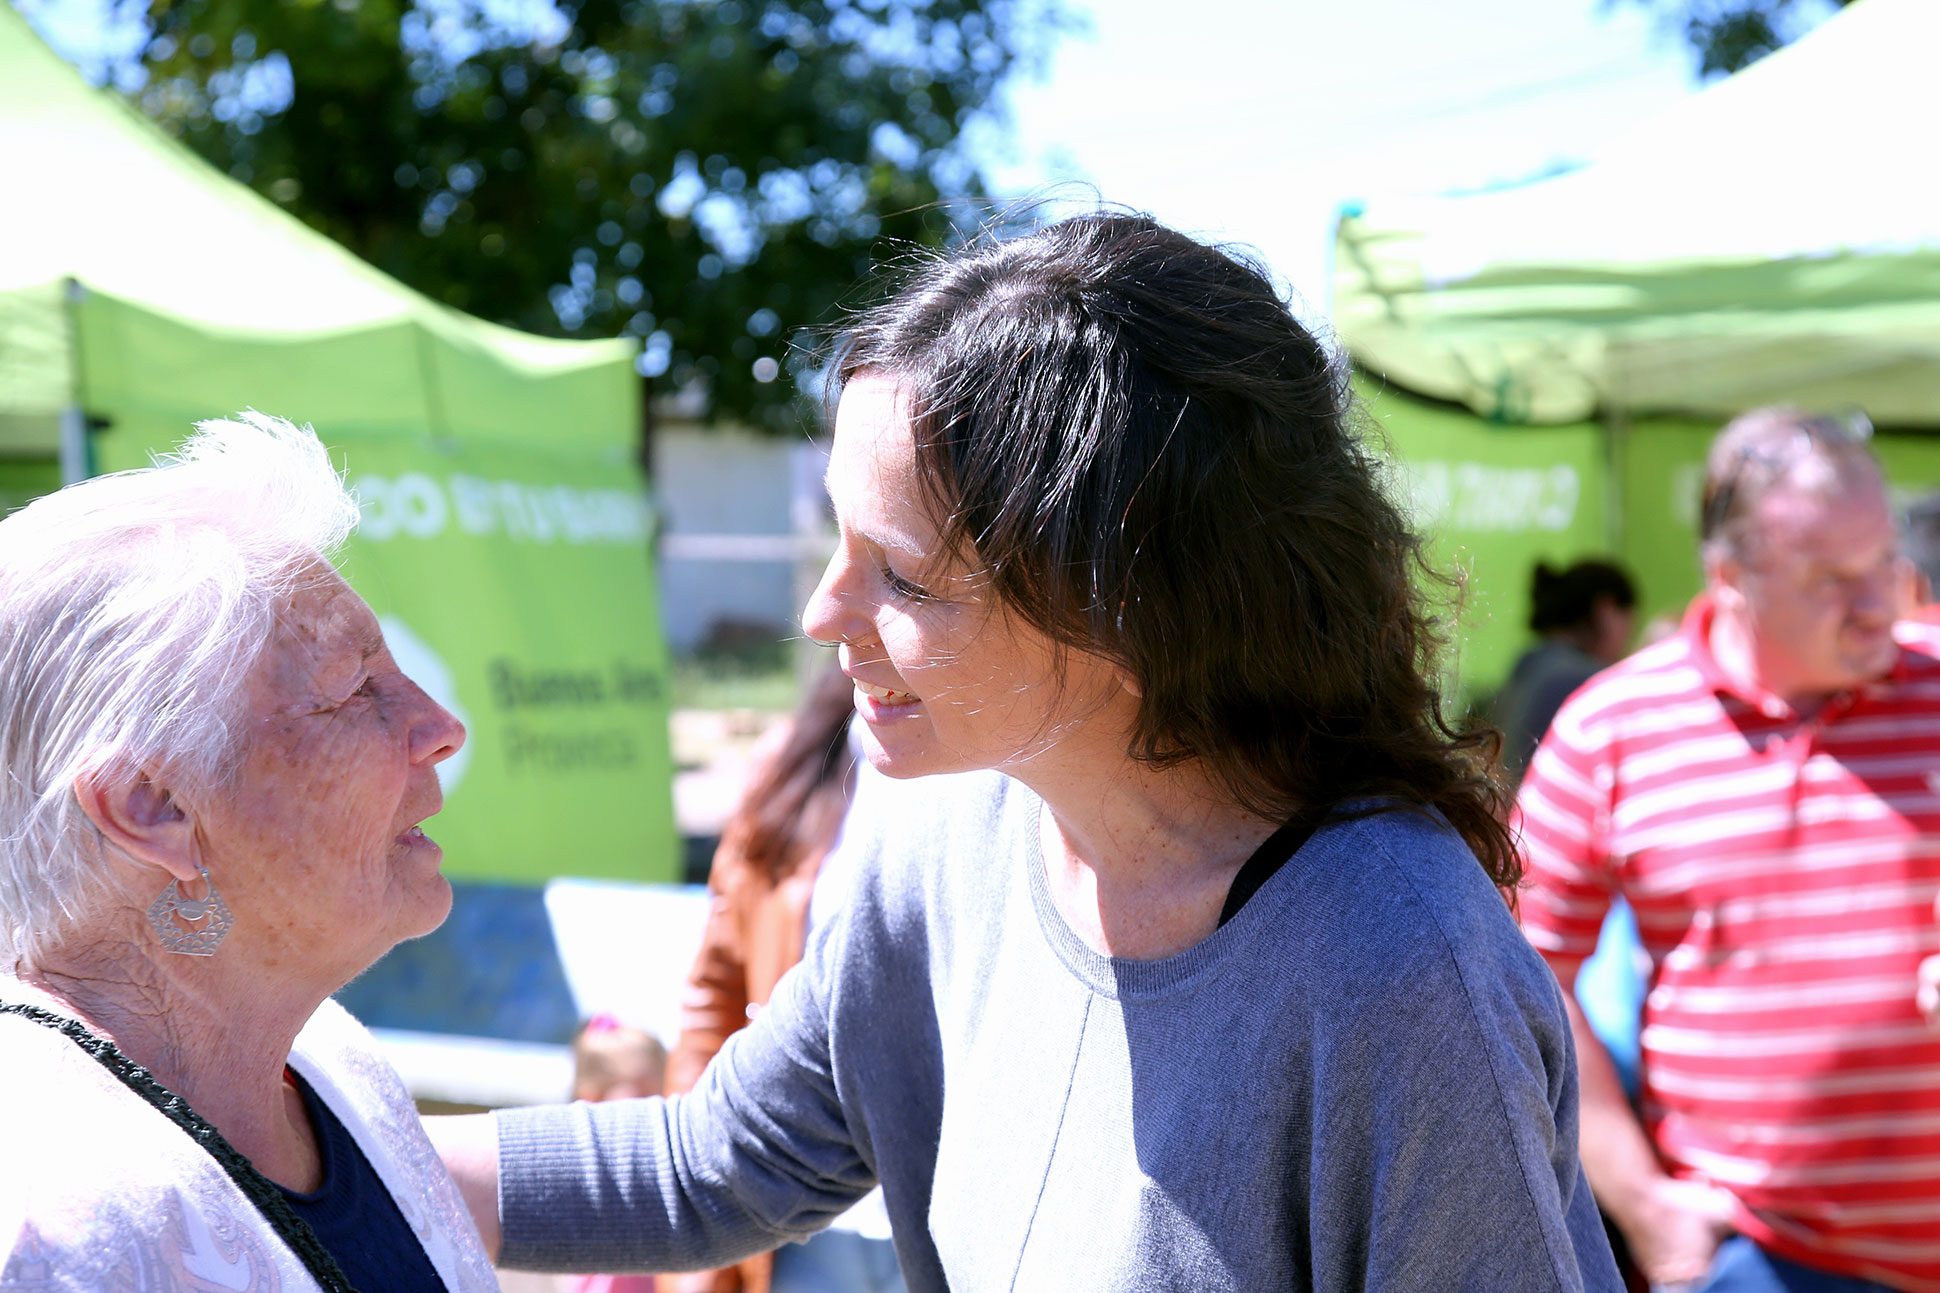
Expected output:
(1660, 466)
(24, 479)
(516, 587)
(1492, 501)
(506, 546)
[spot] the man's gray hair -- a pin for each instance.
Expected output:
(132, 608)
(1772, 446)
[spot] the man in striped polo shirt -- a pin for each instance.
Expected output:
(1764, 789)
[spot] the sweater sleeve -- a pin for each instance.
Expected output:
(757, 1154)
(1444, 1145)
(714, 1007)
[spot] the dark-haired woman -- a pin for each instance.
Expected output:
(1185, 974)
(1584, 615)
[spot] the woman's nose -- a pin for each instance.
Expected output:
(829, 615)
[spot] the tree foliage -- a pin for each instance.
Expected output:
(704, 175)
(1726, 36)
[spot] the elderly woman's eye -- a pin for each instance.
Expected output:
(368, 687)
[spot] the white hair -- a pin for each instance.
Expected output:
(132, 608)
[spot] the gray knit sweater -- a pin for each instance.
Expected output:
(1364, 1080)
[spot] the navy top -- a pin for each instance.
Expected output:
(354, 1215)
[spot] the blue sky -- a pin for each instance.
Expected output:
(1252, 120)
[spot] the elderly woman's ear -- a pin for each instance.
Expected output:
(140, 819)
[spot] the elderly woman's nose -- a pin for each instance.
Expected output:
(436, 732)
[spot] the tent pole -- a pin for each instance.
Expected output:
(74, 445)
(74, 421)
(1616, 449)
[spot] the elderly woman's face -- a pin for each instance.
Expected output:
(316, 845)
(946, 679)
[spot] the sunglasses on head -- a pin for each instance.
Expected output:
(1848, 428)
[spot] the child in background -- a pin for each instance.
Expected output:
(615, 1061)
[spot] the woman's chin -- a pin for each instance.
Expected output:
(903, 759)
(428, 908)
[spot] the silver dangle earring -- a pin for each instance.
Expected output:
(181, 921)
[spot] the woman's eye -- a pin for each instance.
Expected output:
(902, 587)
(367, 688)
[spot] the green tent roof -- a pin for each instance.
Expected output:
(1775, 237)
(227, 296)
(506, 526)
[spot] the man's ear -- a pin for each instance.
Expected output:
(1723, 571)
(141, 819)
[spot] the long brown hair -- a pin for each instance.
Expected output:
(795, 798)
(1155, 463)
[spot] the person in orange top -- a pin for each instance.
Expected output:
(1920, 542)
(770, 884)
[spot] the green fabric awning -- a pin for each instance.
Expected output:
(507, 537)
(1775, 237)
(98, 196)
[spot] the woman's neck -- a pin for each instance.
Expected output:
(217, 1035)
(1139, 860)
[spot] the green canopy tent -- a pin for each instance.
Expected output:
(1775, 238)
(506, 534)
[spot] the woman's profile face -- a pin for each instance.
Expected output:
(946, 680)
(316, 843)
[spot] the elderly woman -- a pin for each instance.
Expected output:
(1191, 971)
(215, 779)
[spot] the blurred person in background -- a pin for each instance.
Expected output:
(1584, 615)
(214, 782)
(778, 875)
(1762, 788)
(1175, 957)
(613, 1060)
(1920, 530)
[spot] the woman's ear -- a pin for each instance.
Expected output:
(140, 818)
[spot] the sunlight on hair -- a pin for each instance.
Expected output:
(135, 606)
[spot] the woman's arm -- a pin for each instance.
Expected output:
(1445, 1106)
(713, 1008)
(1444, 1154)
(469, 1146)
(760, 1153)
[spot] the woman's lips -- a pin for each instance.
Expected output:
(883, 695)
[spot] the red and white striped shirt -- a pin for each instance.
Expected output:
(1783, 873)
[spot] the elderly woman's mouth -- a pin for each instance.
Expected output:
(415, 836)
